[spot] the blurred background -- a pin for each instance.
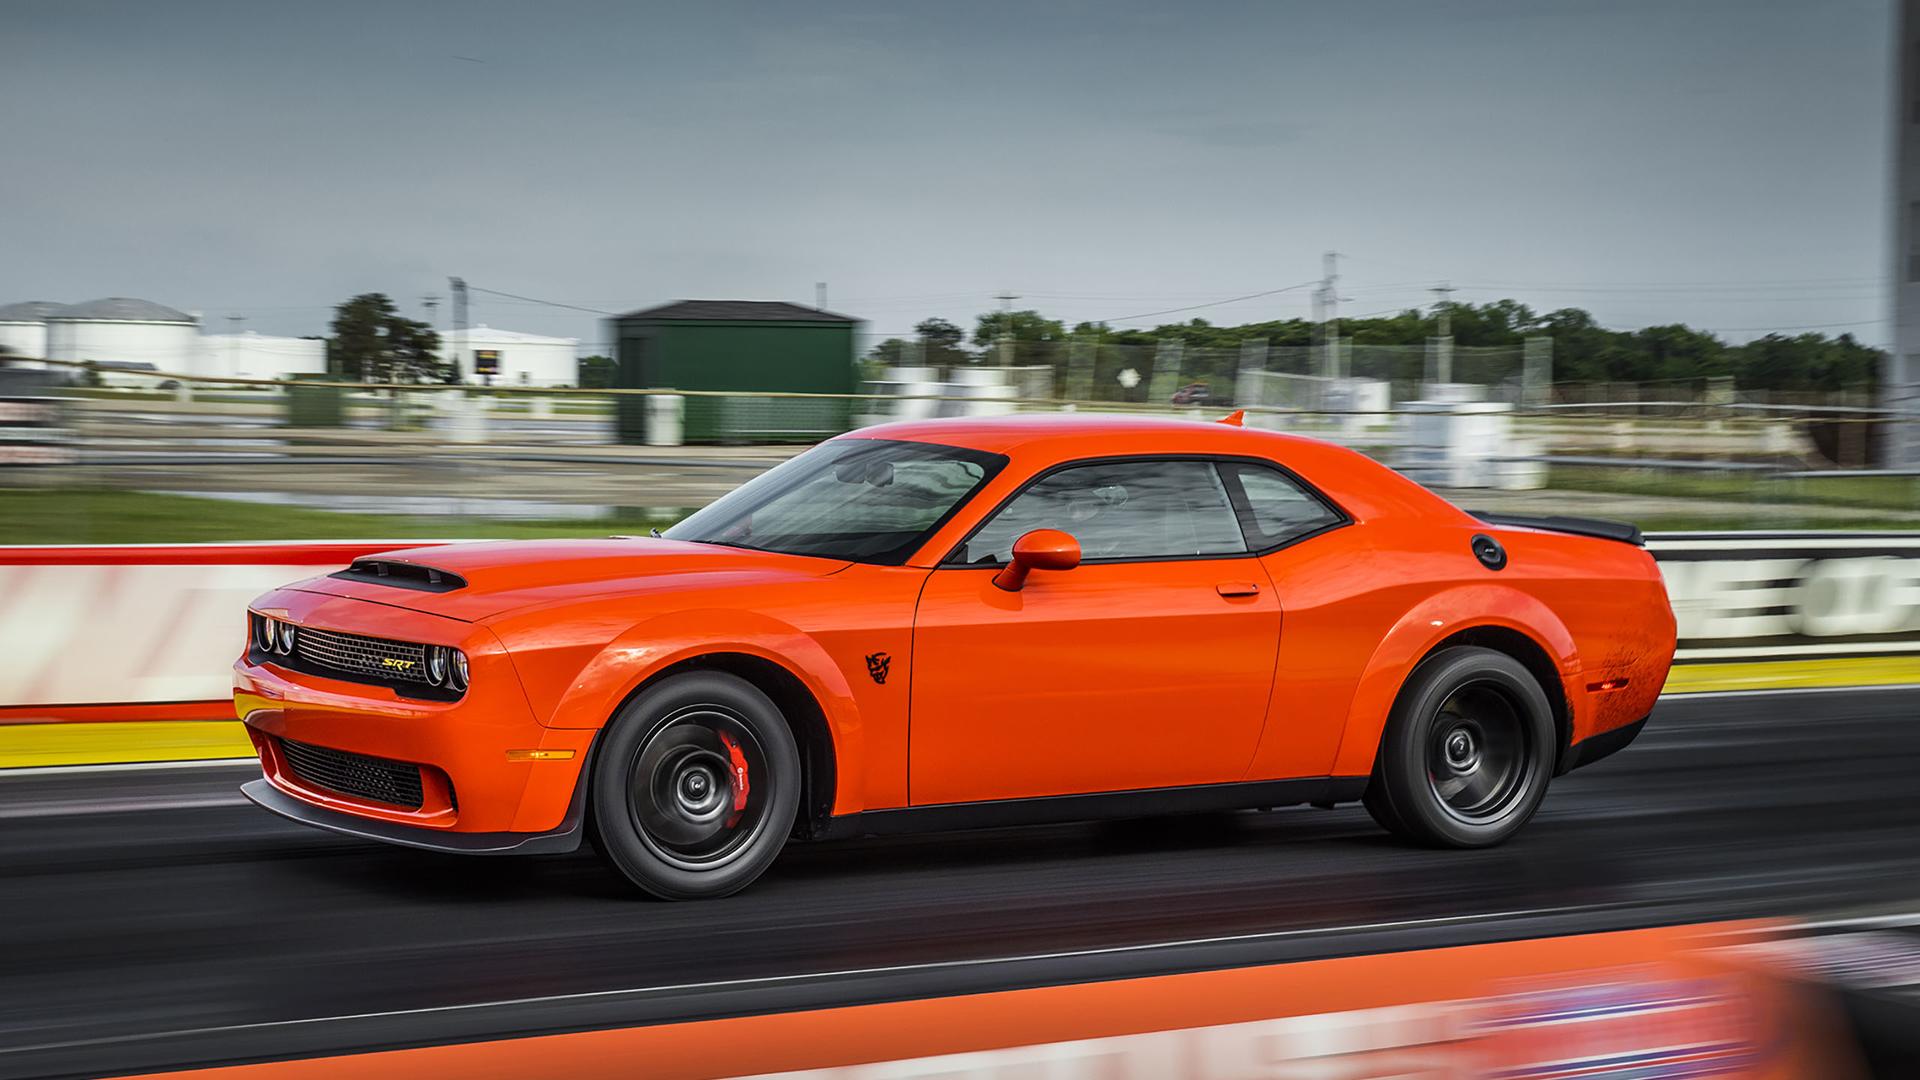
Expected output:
(511, 271)
(365, 272)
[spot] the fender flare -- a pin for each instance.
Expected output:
(660, 642)
(1435, 619)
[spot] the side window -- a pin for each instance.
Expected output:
(1119, 510)
(1280, 508)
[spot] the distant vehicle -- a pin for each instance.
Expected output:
(955, 623)
(1192, 394)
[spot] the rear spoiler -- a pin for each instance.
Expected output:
(1623, 531)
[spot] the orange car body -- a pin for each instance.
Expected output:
(923, 685)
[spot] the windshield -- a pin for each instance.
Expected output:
(863, 500)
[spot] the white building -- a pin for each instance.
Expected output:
(23, 329)
(516, 359)
(122, 331)
(259, 356)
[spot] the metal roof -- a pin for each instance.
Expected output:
(121, 309)
(29, 311)
(738, 311)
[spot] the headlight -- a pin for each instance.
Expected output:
(263, 633)
(286, 637)
(436, 664)
(459, 680)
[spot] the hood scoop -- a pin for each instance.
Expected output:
(401, 575)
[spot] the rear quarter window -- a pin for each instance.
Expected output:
(1277, 508)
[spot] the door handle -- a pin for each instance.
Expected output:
(1237, 588)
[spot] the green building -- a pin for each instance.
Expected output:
(748, 348)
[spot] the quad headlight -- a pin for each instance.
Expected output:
(270, 635)
(447, 667)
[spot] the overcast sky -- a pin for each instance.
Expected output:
(1718, 162)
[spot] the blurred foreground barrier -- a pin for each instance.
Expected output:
(110, 634)
(1675, 1002)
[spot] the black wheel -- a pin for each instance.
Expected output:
(1467, 752)
(695, 786)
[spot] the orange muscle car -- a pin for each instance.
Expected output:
(953, 623)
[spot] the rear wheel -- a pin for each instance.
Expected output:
(695, 786)
(1467, 752)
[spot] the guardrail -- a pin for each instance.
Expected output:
(149, 631)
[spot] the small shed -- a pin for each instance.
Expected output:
(750, 349)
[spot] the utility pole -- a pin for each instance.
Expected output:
(1326, 310)
(1005, 337)
(458, 287)
(1443, 343)
(233, 343)
(431, 302)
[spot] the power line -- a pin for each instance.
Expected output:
(1216, 303)
(533, 300)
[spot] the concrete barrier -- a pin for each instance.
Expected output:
(111, 634)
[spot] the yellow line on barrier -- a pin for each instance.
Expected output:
(1794, 674)
(26, 745)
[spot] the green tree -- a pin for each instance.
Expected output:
(373, 342)
(1021, 326)
(595, 372)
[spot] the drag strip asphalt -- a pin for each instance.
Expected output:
(153, 919)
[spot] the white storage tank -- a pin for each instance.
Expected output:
(259, 356)
(517, 359)
(121, 330)
(23, 330)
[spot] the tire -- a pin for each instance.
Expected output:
(668, 809)
(1467, 751)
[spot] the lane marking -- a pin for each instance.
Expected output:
(129, 766)
(98, 743)
(845, 973)
(1835, 673)
(81, 808)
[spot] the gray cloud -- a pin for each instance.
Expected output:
(1638, 159)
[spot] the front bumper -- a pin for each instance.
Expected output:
(558, 842)
(474, 796)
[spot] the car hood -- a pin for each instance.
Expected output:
(477, 581)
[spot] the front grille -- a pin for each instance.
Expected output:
(371, 778)
(402, 661)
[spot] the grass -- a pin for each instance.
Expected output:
(78, 516)
(1899, 493)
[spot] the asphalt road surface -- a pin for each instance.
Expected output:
(149, 918)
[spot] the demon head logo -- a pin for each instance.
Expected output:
(877, 664)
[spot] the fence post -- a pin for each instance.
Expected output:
(1536, 370)
(1167, 356)
(1080, 357)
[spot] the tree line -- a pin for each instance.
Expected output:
(1583, 350)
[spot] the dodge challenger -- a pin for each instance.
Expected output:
(955, 623)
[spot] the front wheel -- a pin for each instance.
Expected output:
(1467, 751)
(695, 786)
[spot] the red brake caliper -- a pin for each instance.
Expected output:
(740, 784)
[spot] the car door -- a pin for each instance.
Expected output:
(1148, 665)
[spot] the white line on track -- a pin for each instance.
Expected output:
(1695, 695)
(80, 808)
(846, 973)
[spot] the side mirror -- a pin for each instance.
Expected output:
(1041, 549)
